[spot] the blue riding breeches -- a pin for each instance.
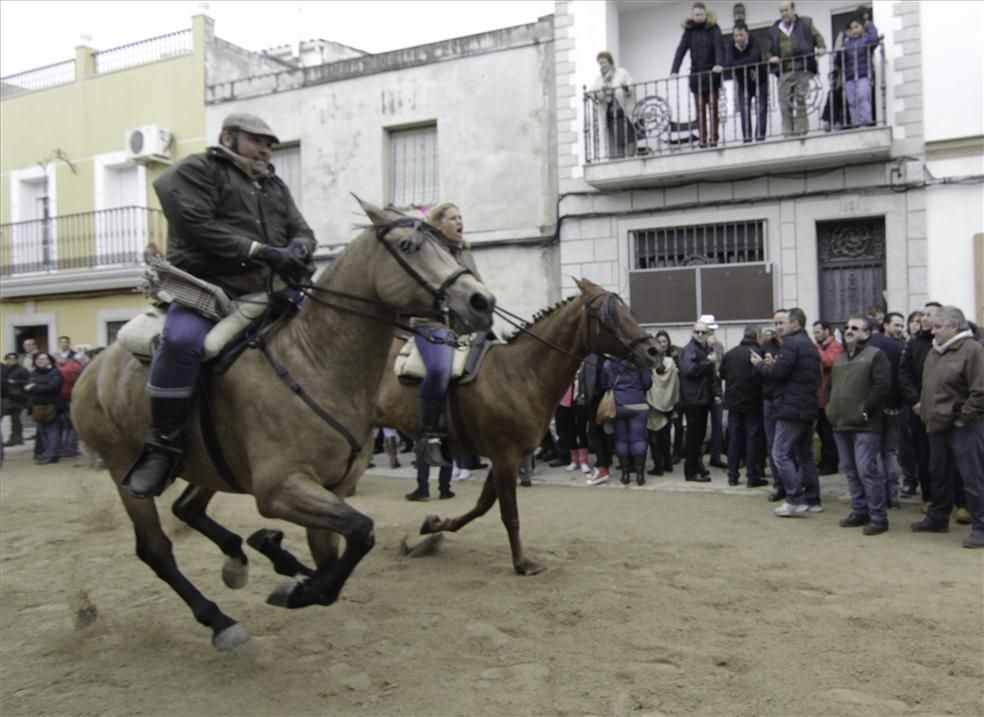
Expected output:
(437, 361)
(174, 370)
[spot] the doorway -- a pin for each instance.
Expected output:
(852, 267)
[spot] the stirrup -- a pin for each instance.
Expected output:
(150, 448)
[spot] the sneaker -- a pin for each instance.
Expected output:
(787, 509)
(597, 478)
(973, 541)
(455, 473)
(814, 508)
(463, 474)
(585, 469)
(573, 466)
(962, 516)
(908, 491)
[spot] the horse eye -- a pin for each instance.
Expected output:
(408, 245)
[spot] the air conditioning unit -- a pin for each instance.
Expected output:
(148, 144)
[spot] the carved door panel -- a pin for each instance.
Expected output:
(852, 267)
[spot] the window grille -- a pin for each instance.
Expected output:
(413, 166)
(698, 245)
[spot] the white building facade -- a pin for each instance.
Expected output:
(833, 220)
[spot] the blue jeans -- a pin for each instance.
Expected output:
(792, 454)
(174, 370)
(769, 428)
(717, 431)
(744, 439)
(859, 100)
(959, 449)
(891, 429)
(630, 431)
(437, 360)
(860, 459)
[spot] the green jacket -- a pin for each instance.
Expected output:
(215, 210)
(953, 384)
(860, 385)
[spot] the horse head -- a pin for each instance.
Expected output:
(439, 285)
(612, 328)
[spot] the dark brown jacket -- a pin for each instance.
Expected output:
(953, 385)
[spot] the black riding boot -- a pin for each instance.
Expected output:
(625, 465)
(160, 460)
(640, 468)
(431, 415)
(654, 447)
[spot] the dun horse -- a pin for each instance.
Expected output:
(296, 466)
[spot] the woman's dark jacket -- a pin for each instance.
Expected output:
(215, 210)
(796, 374)
(743, 390)
(748, 68)
(628, 383)
(696, 375)
(46, 388)
(706, 50)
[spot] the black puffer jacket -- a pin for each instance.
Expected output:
(796, 373)
(44, 387)
(215, 210)
(696, 375)
(911, 366)
(770, 346)
(706, 49)
(743, 390)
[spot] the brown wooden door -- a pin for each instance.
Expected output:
(852, 267)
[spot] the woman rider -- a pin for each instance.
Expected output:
(437, 359)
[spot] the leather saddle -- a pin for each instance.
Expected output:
(467, 360)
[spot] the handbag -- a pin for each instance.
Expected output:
(606, 408)
(43, 413)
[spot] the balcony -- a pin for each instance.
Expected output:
(650, 134)
(89, 251)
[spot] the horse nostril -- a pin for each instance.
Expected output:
(652, 351)
(480, 304)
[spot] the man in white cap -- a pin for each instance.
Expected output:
(717, 407)
(697, 368)
(231, 221)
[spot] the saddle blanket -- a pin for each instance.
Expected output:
(409, 366)
(141, 335)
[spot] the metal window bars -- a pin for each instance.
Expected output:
(697, 245)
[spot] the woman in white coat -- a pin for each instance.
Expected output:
(615, 96)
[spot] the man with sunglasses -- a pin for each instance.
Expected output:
(795, 373)
(232, 222)
(860, 388)
(697, 365)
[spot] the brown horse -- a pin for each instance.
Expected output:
(504, 413)
(297, 466)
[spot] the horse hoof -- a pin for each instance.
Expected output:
(430, 525)
(235, 573)
(230, 638)
(280, 597)
(528, 567)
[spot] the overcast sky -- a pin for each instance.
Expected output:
(37, 33)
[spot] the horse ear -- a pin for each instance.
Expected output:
(374, 213)
(586, 286)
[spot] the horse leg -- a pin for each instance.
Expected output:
(154, 548)
(301, 500)
(435, 524)
(190, 507)
(505, 484)
(267, 542)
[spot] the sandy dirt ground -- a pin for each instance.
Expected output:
(655, 602)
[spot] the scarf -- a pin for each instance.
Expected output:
(967, 333)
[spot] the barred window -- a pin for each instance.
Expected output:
(413, 166)
(670, 247)
(679, 273)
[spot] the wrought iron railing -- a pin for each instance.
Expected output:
(89, 240)
(707, 110)
(152, 49)
(40, 78)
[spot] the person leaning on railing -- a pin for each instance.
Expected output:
(613, 91)
(702, 38)
(854, 64)
(795, 44)
(744, 59)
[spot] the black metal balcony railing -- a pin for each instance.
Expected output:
(751, 103)
(110, 237)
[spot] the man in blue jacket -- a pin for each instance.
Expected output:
(796, 374)
(697, 363)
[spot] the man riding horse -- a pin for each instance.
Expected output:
(231, 221)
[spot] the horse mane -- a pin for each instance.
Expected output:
(540, 316)
(607, 312)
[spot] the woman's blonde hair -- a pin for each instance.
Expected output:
(435, 215)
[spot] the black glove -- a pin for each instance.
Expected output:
(296, 247)
(284, 262)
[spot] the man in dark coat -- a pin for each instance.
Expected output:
(893, 414)
(743, 399)
(696, 395)
(12, 383)
(796, 372)
(702, 39)
(795, 44)
(910, 384)
(231, 221)
(751, 75)
(771, 343)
